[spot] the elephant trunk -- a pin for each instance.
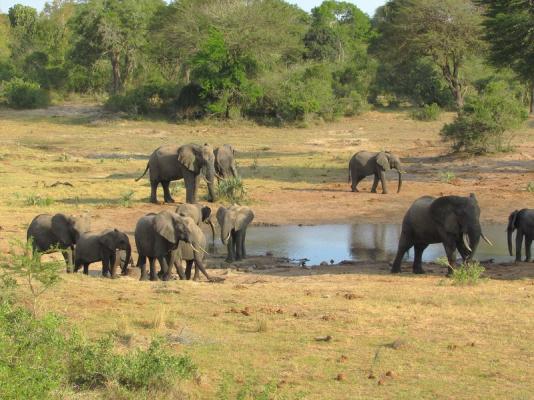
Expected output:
(510, 229)
(210, 179)
(510, 249)
(473, 237)
(212, 232)
(124, 267)
(400, 181)
(225, 233)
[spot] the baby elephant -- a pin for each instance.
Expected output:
(186, 252)
(364, 163)
(234, 222)
(523, 221)
(102, 246)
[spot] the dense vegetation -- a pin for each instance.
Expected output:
(266, 60)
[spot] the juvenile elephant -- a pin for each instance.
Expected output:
(198, 214)
(186, 252)
(170, 162)
(364, 163)
(224, 162)
(102, 246)
(523, 221)
(234, 222)
(157, 236)
(57, 231)
(451, 220)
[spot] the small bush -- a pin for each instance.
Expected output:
(486, 121)
(232, 190)
(152, 98)
(530, 187)
(468, 273)
(447, 176)
(36, 200)
(22, 94)
(126, 199)
(427, 113)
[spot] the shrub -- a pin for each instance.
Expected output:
(232, 190)
(447, 176)
(530, 187)
(468, 273)
(127, 198)
(427, 113)
(22, 94)
(486, 121)
(37, 200)
(152, 98)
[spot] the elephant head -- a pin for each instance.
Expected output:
(115, 239)
(512, 220)
(459, 217)
(69, 228)
(233, 218)
(386, 161)
(198, 213)
(171, 227)
(200, 159)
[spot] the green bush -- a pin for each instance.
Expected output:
(427, 113)
(232, 190)
(22, 94)
(468, 273)
(486, 121)
(151, 98)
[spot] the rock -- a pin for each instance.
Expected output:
(390, 374)
(340, 377)
(327, 338)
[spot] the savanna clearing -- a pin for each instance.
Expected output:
(340, 332)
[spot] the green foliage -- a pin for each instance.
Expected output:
(486, 121)
(37, 200)
(427, 113)
(22, 94)
(152, 98)
(447, 176)
(468, 273)
(530, 187)
(126, 199)
(249, 390)
(232, 190)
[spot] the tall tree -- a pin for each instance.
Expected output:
(447, 32)
(510, 34)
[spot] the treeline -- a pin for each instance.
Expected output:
(267, 59)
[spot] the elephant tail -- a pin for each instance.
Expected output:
(348, 181)
(144, 173)
(510, 229)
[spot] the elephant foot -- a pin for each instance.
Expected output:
(229, 260)
(373, 191)
(154, 278)
(114, 277)
(419, 271)
(384, 192)
(154, 201)
(143, 278)
(396, 270)
(169, 201)
(354, 190)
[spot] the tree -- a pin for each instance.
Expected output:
(447, 32)
(23, 22)
(510, 34)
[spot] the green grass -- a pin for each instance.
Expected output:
(447, 176)
(232, 190)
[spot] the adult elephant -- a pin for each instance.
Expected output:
(170, 162)
(451, 220)
(102, 246)
(187, 253)
(198, 214)
(234, 222)
(523, 221)
(224, 162)
(157, 237)
(59, 231)
(365, 163)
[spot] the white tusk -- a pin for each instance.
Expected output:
(197, 251)
(228, 237)
(486, 239)
(466, 242)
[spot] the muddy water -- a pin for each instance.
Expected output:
(360, 242)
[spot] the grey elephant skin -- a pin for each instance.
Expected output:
(450, 220)
(364, 163)
(225, 166)
(57, 231)
(102, 246)
(170, 162)
(198, 213)
(157, 237)
(523, 222)
(234, 222)
(187, 253)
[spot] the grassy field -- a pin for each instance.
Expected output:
(392, 337)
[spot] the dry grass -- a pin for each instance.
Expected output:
(435, 340)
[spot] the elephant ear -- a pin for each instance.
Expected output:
(444, 212)
(109, 239)
(187, 157)
(62, 228)
(243, 218)
(206, 212)
(382, 160)
(163, 225)
(221, 213)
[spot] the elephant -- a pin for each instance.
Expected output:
(187, 253)
(171, 162)
(364, 163)
(234, 222)
(102, 246)
(198, 214)
(224, 162)
(523, 221)
(450, 220)
(58, 231)
(157, 236)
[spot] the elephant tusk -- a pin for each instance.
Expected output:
(486, 239)
(466, 242)
(197, 251)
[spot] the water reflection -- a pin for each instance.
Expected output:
(360, 242)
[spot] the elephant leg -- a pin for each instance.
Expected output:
(105, 266)
(166, 192)
(404, 246)
(68, 256)
(528, 244)
(243, 239)
(113, 265)
(196, 277)
(77, 266)
(230, 247)
(464, 253)
(233, 170)
(86, 269)
(154, 192)
(450, 251)
(188, 267)
(418, 258)
(518, 243)
(165, 268)
(141, 263)
(375, 183)
(383, 182)
(190, 181)
(179, 269)
(153, 275)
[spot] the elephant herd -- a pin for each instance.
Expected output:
(170, 237)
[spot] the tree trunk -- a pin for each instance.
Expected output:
(115, 65)
(532, 97)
